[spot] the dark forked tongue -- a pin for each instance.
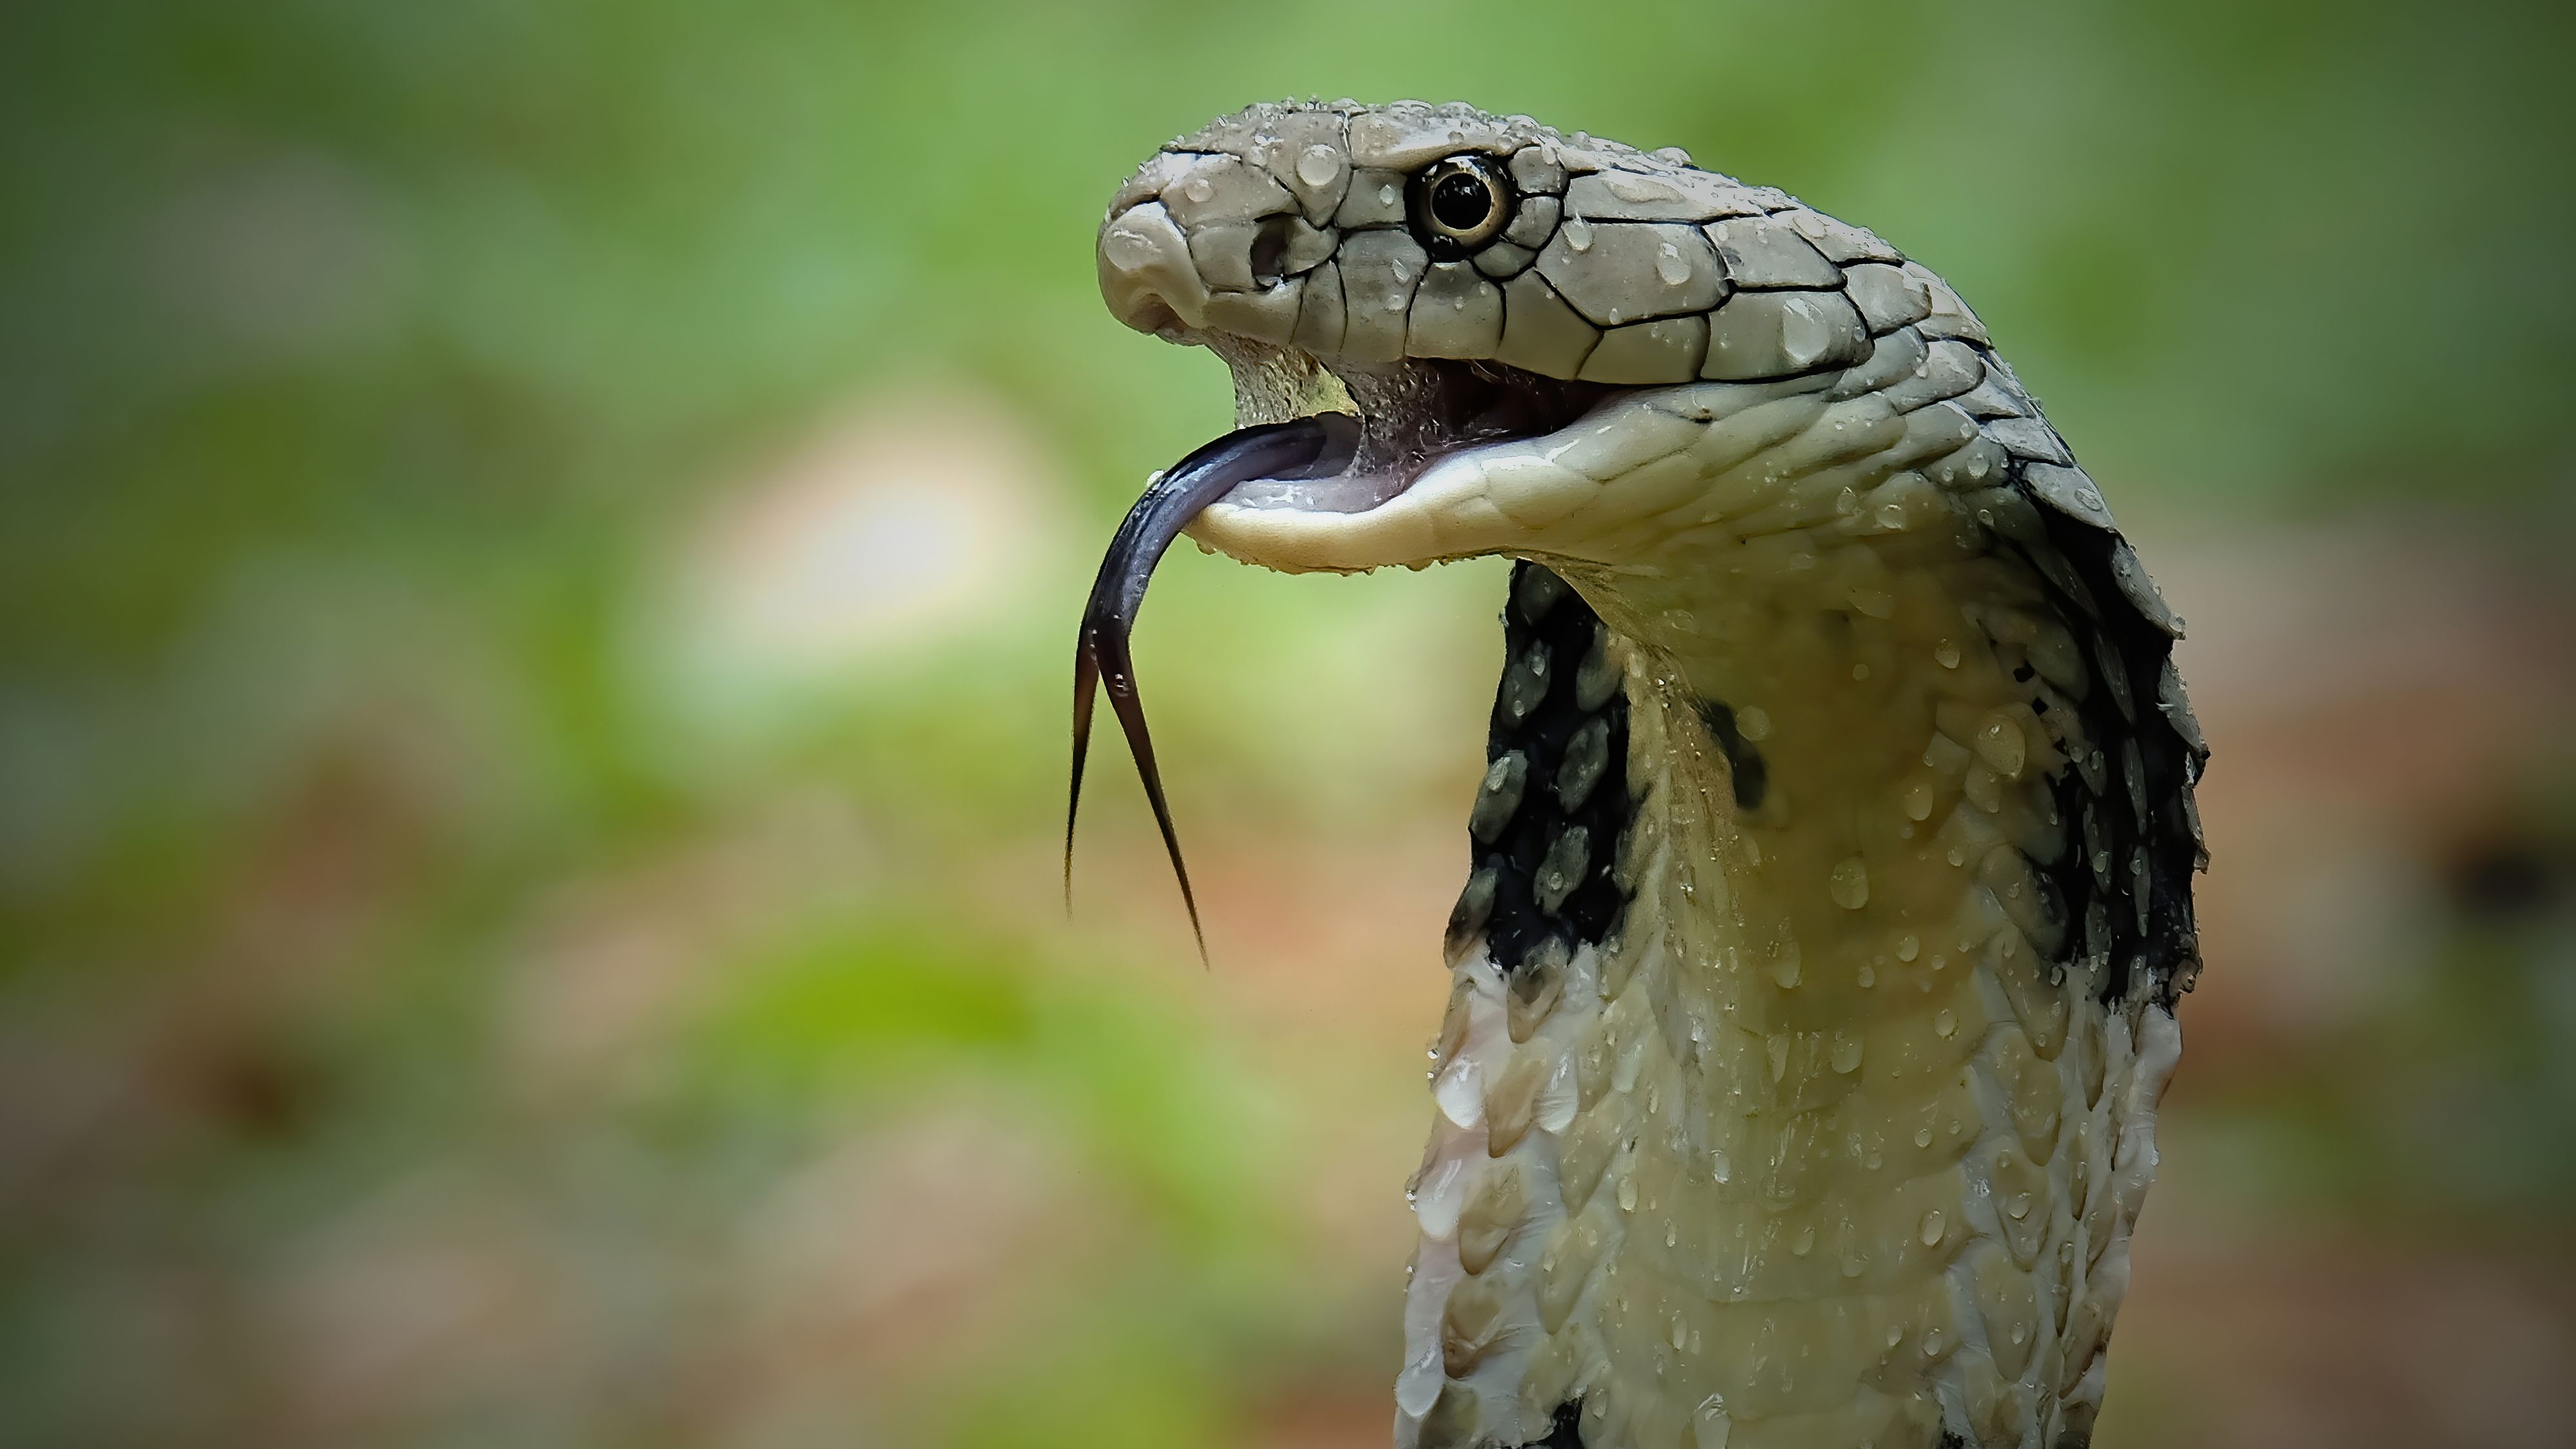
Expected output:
(1302, 447)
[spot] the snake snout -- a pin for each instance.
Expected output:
(1146, 275)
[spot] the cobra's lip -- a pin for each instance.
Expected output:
(1412, 491)
(1408, 529)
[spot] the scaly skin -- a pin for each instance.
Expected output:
(1798, 1082)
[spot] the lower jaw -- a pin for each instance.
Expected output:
(1413, 414)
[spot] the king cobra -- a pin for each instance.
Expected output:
(1830, 896)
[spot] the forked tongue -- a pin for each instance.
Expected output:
(1301, 447)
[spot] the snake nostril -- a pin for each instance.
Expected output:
(1270, 249)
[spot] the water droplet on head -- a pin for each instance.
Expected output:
(1672, 266)
(1907, 948)
(1578, 234)
(1947, 654)
(1944, 1024)
(1933, 1223)
(1197, 189)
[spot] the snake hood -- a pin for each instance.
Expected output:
(1828, 903)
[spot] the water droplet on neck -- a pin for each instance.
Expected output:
(1710, 1427)
(1849, 884)
(2000, 744)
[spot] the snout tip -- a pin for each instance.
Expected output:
(1146, 275)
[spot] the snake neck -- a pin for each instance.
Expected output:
(1770, 1111)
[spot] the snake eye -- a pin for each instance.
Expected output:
(1458, 205)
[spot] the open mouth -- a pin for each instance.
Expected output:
(1408, 416)
(1312, 439)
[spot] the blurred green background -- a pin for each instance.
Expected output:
(539, 548)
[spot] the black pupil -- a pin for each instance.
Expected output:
(1460, 201)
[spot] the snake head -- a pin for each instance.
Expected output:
(1464, 283)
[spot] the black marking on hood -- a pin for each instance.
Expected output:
(1555, 808)
(1743, 762)
(2124, 880)
(1567, 1430)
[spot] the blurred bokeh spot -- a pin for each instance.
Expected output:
(900, 530)
(540, 552)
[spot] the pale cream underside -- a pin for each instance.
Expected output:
(1823, 1152)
